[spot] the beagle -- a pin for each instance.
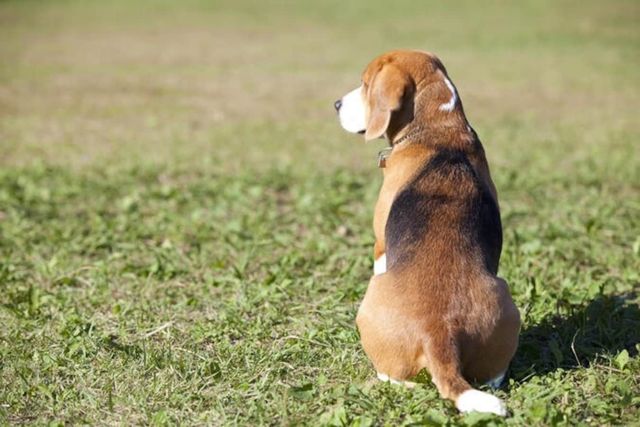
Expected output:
(434, 300)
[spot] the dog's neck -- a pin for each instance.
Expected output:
(431, 127)
(451, 134)
(407, 135)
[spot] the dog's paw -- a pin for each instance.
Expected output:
(385, 378)
(479, 401)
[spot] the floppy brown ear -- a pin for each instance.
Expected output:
(385, 97)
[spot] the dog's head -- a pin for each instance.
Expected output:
(398, 87)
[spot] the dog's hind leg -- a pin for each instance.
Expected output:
(443, 363)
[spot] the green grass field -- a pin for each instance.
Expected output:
(185, 230)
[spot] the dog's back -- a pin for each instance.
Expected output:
(434, 300)
(440, 304)
(445, 208)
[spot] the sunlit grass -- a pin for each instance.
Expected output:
(185, 231)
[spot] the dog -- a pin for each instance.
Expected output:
(435, 300)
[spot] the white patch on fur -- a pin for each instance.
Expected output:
(380, 265)
(449, 106)
(479, 401)
(497, 381)
(352, 111)
(385, 378)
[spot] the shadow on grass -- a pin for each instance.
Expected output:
(130, 350)
(604, 326)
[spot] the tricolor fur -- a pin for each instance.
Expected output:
(435, 300)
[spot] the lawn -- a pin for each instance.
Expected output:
(185, 230)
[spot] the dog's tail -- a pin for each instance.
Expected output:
(444, 366)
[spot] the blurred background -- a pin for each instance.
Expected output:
(248, 84)
(185, 229)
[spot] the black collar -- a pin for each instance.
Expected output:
(384, 154)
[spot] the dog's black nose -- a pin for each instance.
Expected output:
(338, 104)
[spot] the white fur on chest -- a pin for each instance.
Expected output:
(380, 265)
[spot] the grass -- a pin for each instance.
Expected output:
(185, 230)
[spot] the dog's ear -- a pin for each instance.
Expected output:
(385, 96)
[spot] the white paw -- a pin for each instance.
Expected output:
(479, 401)
(385, 378)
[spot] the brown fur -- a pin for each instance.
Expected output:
(440, 304)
